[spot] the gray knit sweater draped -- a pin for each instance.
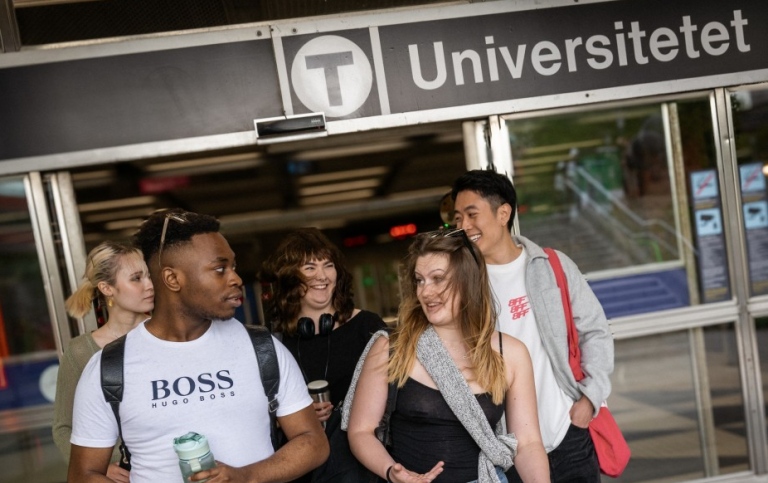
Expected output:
(496, 448)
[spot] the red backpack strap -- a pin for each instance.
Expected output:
(574, 353)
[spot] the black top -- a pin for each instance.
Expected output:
(425, 430)
(346, 345)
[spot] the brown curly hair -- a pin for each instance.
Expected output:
(282, 271)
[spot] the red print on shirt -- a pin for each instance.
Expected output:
(519, 307)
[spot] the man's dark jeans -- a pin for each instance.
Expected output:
(573, 461)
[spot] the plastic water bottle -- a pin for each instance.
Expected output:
(194, 454)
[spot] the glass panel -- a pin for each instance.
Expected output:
(604, 173)
(28, 360)
(750, 123)
(601, 186)
(29, 456)
(761, 325)
(678, 399)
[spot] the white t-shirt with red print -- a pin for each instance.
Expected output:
(517, 319)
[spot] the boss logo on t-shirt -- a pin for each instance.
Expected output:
(184, 387)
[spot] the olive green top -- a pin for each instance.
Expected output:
(78, 353)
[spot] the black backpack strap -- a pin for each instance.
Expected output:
(266, 355)
(112, 386)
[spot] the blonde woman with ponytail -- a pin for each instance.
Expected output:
(117, 278)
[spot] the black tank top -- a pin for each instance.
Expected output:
(425, 431)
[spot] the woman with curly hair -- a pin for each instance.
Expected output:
(312, 307)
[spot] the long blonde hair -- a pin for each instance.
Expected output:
(102, 265)
(468, 280)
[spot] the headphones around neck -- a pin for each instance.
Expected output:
(306, 326)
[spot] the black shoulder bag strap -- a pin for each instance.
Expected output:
(266, 355)
(382, 431)
(112, 387)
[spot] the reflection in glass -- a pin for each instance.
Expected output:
(24, 324)
(750, 122)
(761, 326)
(596, 185)
(678, 399)
(29, 456)
(610, 189)
(28, 359)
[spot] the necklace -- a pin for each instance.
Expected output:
(114, 335)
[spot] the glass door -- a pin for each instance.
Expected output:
(41, 249)
(749, 110)
(28, 340)
(632, 193)
(601, 186)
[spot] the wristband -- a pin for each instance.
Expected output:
(387, 474)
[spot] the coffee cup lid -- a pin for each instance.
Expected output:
(318, 386)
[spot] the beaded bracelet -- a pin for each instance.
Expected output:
(387, 474)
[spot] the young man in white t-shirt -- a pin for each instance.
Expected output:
(530, 308)
(192, 367)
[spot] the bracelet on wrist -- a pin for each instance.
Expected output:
(387, 474)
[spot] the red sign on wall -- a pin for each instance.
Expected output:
(150, 186)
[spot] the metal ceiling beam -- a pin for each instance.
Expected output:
(266, 221)
(10, 41)
(42, 3)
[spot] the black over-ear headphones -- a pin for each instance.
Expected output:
(306, 327)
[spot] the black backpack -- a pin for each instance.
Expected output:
(112, 380)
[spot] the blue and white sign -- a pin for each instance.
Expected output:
(755, 210)
(704, 184)
(708, 222)
(752, 178)
(756, 215)
(714, 280)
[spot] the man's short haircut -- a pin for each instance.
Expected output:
(177, 233)
(495, 188)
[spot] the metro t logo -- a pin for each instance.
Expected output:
(330, 64)
(331, 74)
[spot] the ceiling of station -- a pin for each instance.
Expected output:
(353, 184)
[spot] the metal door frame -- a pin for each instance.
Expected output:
(484, 139)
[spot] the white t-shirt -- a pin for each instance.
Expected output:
(516, 319)
(210, 385)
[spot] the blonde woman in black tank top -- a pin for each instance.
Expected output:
(444, 287)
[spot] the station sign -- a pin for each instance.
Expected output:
(390, 68)
(451, 62)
